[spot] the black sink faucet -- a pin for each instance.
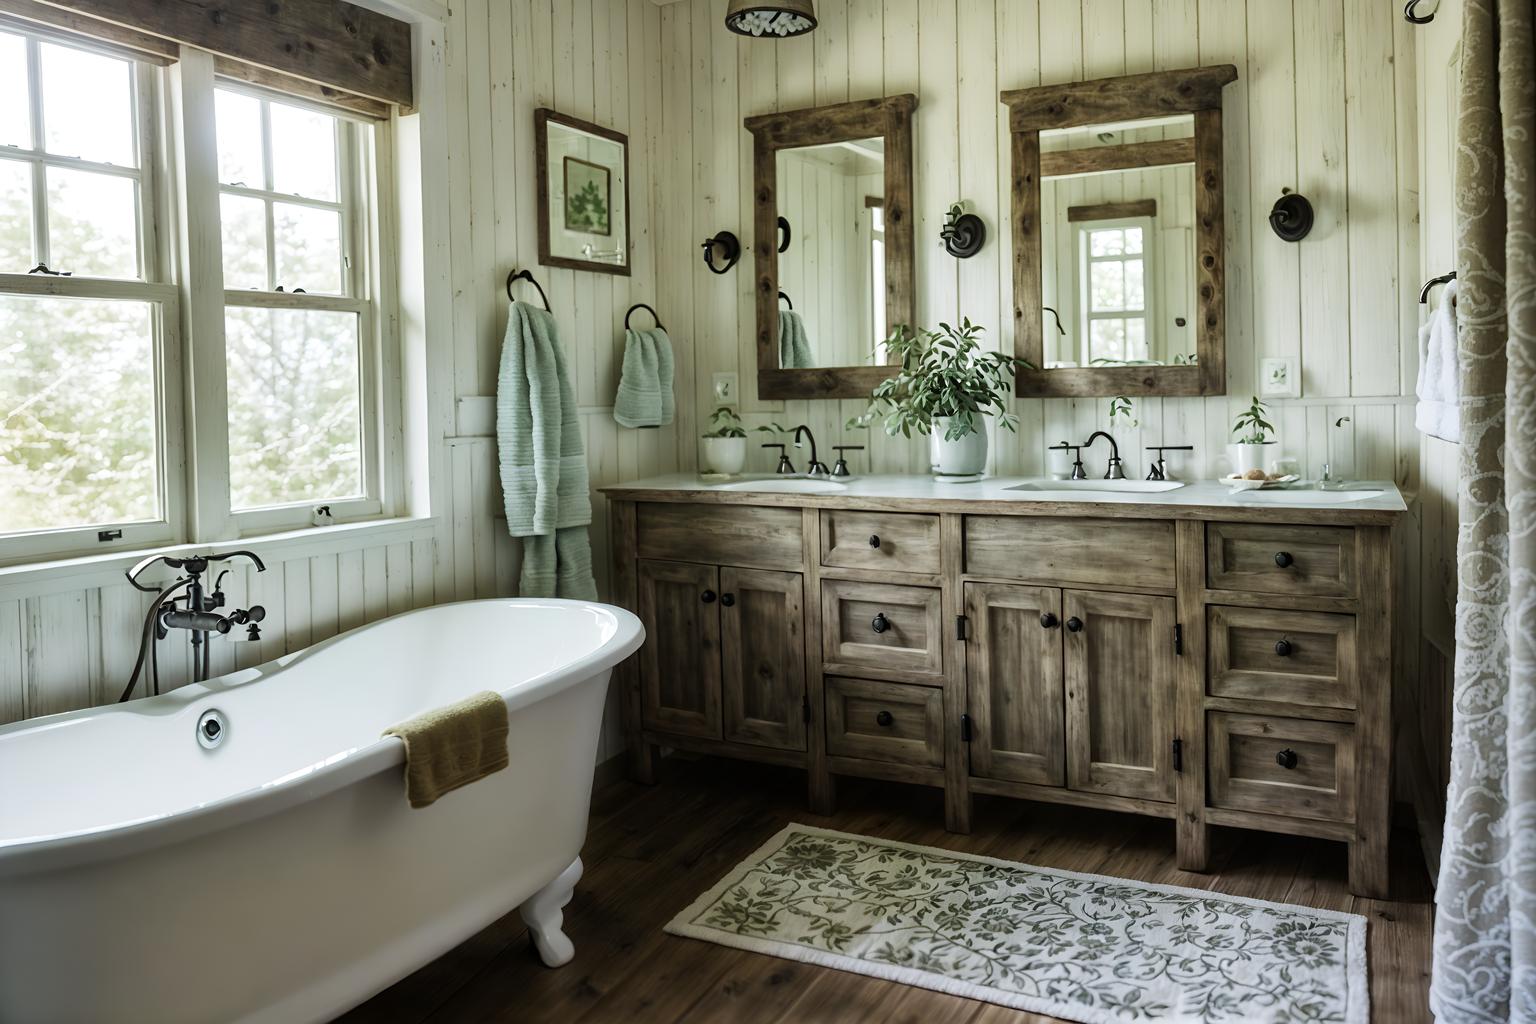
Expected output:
(816, 467)
(1114, 471)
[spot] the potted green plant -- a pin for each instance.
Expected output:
(724, 444)
(946, 387)
(1247, 452)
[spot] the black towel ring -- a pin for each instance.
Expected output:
(525, 275)
(1413, 17)
(784, 234)
(648, 309)
(791, 305)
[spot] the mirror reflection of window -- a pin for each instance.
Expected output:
(1114, 263)
(833, 196)
(875, 208)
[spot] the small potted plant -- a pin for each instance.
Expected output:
(724, 444)
(945, 388)
(1247, 452)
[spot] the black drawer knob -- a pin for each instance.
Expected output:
(880, 623)
(1286, 759)
(884, 718)
(1048, 620)
(874, 540)
(727, 600)
(1283, 648)
(1284, 560)
(707, 597)
(1074, 625)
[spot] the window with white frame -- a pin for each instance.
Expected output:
(87, 320)
(1114, 259)
(293, 205)
(95, 448)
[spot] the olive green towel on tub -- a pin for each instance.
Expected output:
(452, 746)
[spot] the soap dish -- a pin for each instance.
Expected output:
(1238, 483)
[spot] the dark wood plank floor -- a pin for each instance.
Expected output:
(652, 850)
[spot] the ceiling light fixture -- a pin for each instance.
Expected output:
(777, 20)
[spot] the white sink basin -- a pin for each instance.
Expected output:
(1116, 486)
(785, 485)
(1303, 497)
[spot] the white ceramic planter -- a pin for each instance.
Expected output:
(726, 455)
(965, 457)
(1245, 457)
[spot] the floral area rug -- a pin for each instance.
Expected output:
(1082, 947)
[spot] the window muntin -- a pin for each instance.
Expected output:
(1114, 265)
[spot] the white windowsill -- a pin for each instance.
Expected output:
(34, 578)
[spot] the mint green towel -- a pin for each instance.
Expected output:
(794, 346)
(543, 463)
(645, 385)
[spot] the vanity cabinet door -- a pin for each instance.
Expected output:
(1013, 663)
(680, 661)
(1120, 699)
(763, 657)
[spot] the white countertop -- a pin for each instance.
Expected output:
(1205, 496)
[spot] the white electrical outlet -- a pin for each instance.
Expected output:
(725, 388)
(1280, 377)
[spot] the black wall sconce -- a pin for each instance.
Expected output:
(729, 248)
(1291, 216)
(964, 233)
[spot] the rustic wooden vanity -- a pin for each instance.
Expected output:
(1186, 654)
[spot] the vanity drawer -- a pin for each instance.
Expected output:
(882, 626)
(1288, 766)
(1309, 561)
(1297, 657)
(880, 540)
(1071, 550)
(897, 722)
(758, 537)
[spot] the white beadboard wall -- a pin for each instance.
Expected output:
(1324, 103)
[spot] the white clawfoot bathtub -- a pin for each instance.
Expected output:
(280, 876)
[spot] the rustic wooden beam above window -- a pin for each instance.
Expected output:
(1113, 211)
(43, 20)
(1133, 156)
(327, 42)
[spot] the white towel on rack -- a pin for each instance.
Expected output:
(1439, 410)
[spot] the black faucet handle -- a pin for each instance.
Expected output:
(1170, 447)
(784, 466)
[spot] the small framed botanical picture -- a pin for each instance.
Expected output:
(588, 197)
(583, 182)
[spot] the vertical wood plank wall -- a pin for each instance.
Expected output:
(1325, 103)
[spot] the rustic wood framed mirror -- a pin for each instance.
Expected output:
(832, 244)
(1119, 264)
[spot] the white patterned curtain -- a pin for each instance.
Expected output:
(1485, 923)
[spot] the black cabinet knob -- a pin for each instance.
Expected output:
(1048, 620)
(1074, 624)
(1283, 559)
(884, 718)
(707, 597)
(1286, 759)
(874, 540)
(880, 623)
(727, 600)
(1283, 648)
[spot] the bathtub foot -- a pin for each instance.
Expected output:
(542, 914)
